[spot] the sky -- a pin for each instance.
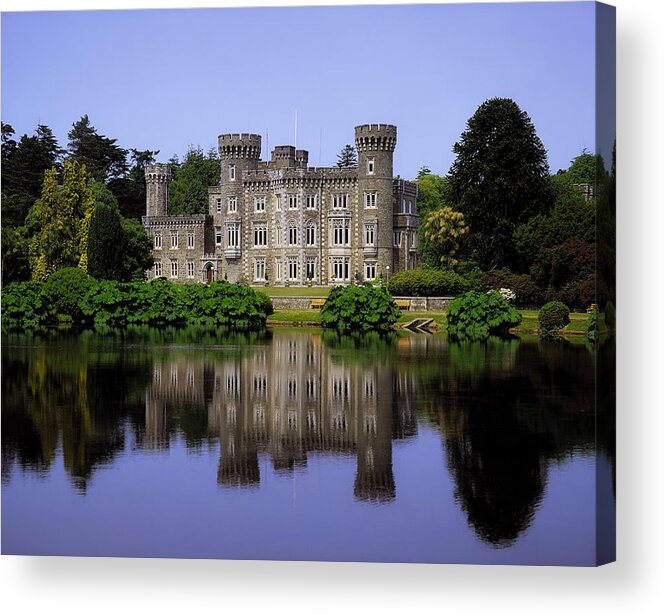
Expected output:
(168, 79)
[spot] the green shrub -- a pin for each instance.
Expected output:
(64, 289)
(24, 307)
(359, 308)
(476, 315)
(592, 330)
(427, 283)
(610, 317)
(527, 292)
(552, 317)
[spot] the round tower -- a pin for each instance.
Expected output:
(238, 153)
(375, 144)
(157, 178)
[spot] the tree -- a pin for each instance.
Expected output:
(130, 191)
(138, 250)
(443, 229)
(104, 159)
(499, 179)
(23, 167)
(106, 238)
(188, 193)
(14, 255)
(58, 222)
(347, 158)
(433, 194)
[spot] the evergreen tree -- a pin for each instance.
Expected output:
(347, 158)
(499, 179)
(188, 193)
(130, 191)
(106, 242)
(138, 250)
(104, 159)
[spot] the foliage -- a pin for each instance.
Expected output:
(130, 189)
(72, 293)
(477, 315)
(359, 308)
(427, 283)
(64, 289)
(103, 158)
(138, 250)
(527, 293)
(552, 317)
(610, 317)
(443, 229)
(592, 329)
(347, 158)
(433, 193)
(23, 167)
(14, 255)
(106, 242)
(23, 306)
(499, 179)
(188, 192)
(587, 168)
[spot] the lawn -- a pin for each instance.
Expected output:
(294, 291)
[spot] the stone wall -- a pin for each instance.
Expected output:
(419, 304)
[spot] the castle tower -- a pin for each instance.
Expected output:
(375, 144)
(238, 153)
(157, 178)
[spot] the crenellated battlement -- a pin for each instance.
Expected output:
(157, 173)
(239, 145)
(376, 137)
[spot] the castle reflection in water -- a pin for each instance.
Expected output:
(289, 399)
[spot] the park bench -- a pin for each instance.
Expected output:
(403, 304)
(317, 302)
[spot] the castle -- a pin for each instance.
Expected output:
(284, 223)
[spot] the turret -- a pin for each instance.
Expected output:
(238, 152)
(157, 178)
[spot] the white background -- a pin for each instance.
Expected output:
(633, 585)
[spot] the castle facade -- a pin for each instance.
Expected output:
(281, 222)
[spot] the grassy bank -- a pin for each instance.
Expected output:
(529, 324)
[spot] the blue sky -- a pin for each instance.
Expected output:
(168, 79)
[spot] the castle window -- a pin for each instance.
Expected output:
(259, 269)
(293, 268)
(158, 269)
(370, 166)
(278, 269)
(310, 268)
(340, 201)
(278, 236)
(370, 199)
(370, 271)
(407, 206)
(370, 234)
(278, 202)
(158, 241)
(260, 235)
(293, 234)
(174, 239)
(219, 205)
(259, 204)
(397, 239)
(310, 234)
(218, 236)
(190, 240)
(233, 204)
(340, 232)
(232, 172)
(340, 268)
(233, 235)
(292, 201)
(311, 202)
(190, 269)
(174, 269)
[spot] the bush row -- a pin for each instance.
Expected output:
(427, 283)
(359, 309)
(84, 300)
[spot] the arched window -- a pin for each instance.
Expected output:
(310, 234)
(293, 234)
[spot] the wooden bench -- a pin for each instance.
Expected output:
(317, 302)
(403, 304)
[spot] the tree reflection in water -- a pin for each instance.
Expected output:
(505, 409)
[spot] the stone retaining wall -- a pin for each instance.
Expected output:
(421, 304)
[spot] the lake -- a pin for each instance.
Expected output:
(301, 445)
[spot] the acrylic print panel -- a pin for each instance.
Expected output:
(369, 317)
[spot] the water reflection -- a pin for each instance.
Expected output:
(505, 410)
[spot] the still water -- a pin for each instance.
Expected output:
(299, 445)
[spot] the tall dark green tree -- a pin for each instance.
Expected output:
(23, 167)
(347, 158)
(105, 160)
(188, 193)
(130, 190)
(499, 179)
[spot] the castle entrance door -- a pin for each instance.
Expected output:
(209, 273)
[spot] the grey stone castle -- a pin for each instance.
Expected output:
(284, 223)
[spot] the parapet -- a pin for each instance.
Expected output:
(239, 145)
(376, 137)
(157, 172)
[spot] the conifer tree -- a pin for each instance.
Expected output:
(347, 158)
